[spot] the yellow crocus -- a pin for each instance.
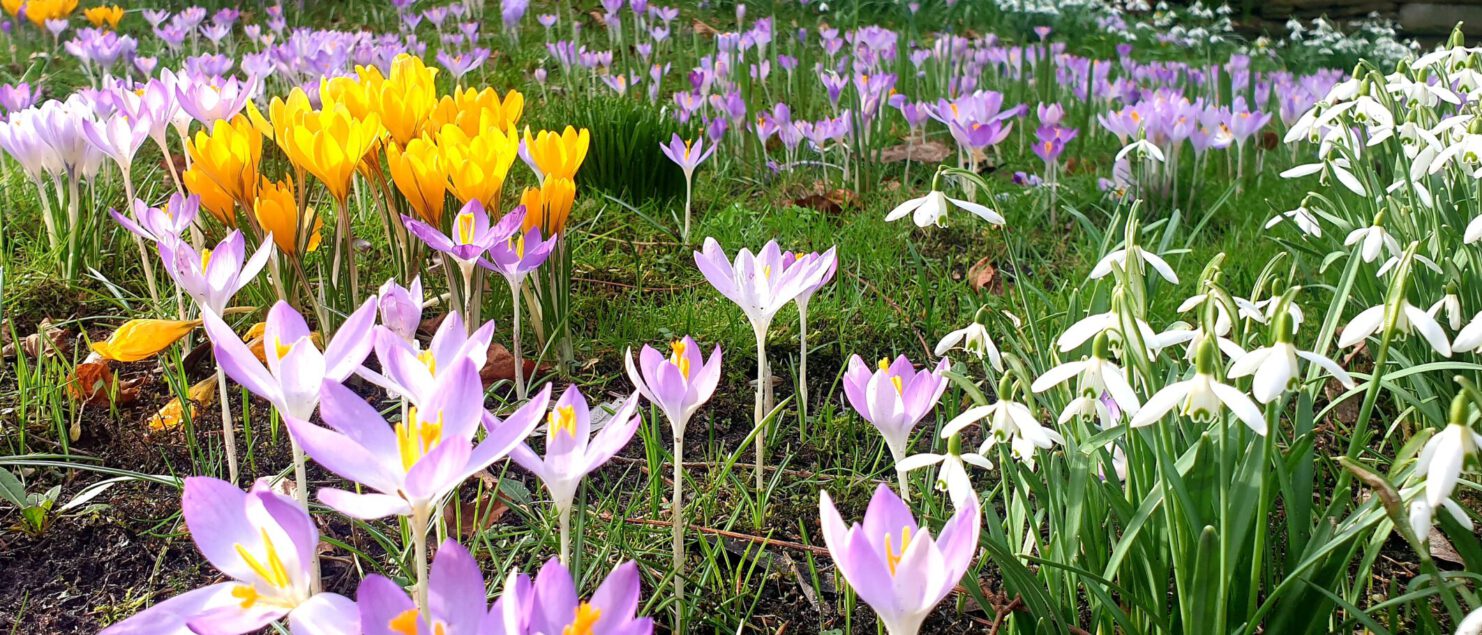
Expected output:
(276, 209)
(421, 174)
(105, 14)
(283, 114)
(39, 11)
(12, 7)
(474, 110)
(224, 166)
(405, 99)
(558, 154)
(477, 165)
(548, 206)
(330, 144)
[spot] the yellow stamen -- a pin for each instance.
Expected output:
(429, 361)
(273, 572)
(679, 359)
(899, 388)
(562, 418)
(405, 623)
(884, 363)
(767, 271)
(280, 349)
(247, 594)
(687, 144)
(893, 557)
(585, 622)
(205, 259)
(414, 441)
(517, 245)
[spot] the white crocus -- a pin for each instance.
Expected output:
(1273, 369)
(1134, 253)
(931, 209)
(1202, 397)
(974, 339)
(1009, 421)
(1410, 319)
(1095, 375)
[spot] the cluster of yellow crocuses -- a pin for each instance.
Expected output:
(39, 11)
(400, 135)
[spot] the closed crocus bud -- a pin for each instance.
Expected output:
(401, 308)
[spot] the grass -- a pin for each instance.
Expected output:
(897, 291)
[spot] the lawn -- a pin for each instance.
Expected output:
(864, 317)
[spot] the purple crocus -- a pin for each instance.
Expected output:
(569, 452)
(212, 276)
(210, 99)
(515, 259)
(472, 234)
(687, 155)
(551, 605)
(462, 63)
(20, 96)
(413, 372)
(408, 466)
(894, 398)
(264, 543)
(161, 224)
(455, 601)
(893, 564)
(401, 308)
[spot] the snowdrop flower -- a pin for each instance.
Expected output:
(1201, 398)
(1134, 254)
(1194, 337)
(1469, 338)
(1442, 460)
(1408, 319)
(1009, 421)
(1472, 624)
(952, 475)
(1337, 165)
(1094, 375)
(1474, 231)
(931, 209)
(974, 339)
(1451, 305)
(1273, 369)
(1301, 217)
(1108, 322)
(1143, 149)
(1372, 240)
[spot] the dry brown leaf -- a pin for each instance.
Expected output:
(32, 345)
(142, 339)
(500, 366)
(825, 199)
(203, 393)
(916, 151)
(703, 29)
(476, 516)
(94, 383)
(984, 275)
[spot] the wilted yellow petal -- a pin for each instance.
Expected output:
(203, 393)
(142, 339)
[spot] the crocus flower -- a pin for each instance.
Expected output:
(212, 276)
(894, 565)
(413, 372)
(515, 259)
(687, 155)
(455, 601)
(894, 398)
(550, 604)
(264, 543)
(160, 224)
(408, 466)
(569, 453)
(209, 100)
(472, 234)
(829, 263)
(401, 308)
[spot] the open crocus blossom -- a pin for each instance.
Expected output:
(456, 601)
(550, 605)
(413, 372)
(159, 224)
(471, 237)
(688, 156)
(571, 452)
(264, 542)
(896, 566)
(931, 209)
(415, 462)
(894, 398)
(212, 276)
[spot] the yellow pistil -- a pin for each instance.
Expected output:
(899, 388)
(428, 360)
(679, 359)
(517, 245)
(465, 228)
(585, 622)
(687, 144)
(767, 271)
(884, 363)
(893, 557)
(205, 259)
(416, 437)
(273, 572)
(562, 418)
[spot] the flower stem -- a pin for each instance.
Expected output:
(514, 305)
(419, 540)
(564, 520)
(228, 436)
(301, 493)
(677, 511)
(688, 197)
(803, 370)
(761, 435)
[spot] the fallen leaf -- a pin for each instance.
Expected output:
(57, 340)
(142, 339)
(1079, 165)
(203, 393)
(500, 366)
(825, 199)
(984, 275)
(476, 516)
(1441, 548)
(703, 29)
(916, 151)
(94, 383)
(1269, 141)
